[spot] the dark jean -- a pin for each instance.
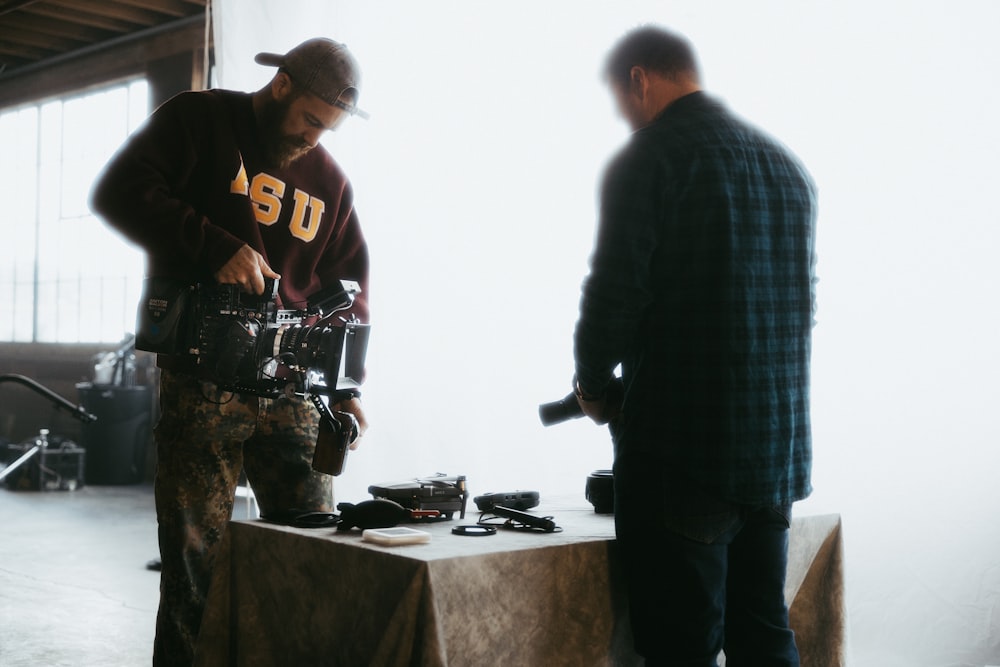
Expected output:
(703, 575)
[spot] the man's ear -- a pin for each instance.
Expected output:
(638, 81)
(281, 85)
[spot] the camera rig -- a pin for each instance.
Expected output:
(245, 344)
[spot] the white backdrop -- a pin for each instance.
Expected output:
(475, 181)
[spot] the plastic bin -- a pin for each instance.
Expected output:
(116, 443)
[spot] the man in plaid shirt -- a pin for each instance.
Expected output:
(702, 287)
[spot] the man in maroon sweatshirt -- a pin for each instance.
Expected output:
(233, 188)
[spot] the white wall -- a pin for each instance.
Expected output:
(475, 180)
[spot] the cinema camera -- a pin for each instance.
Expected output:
(245, 344)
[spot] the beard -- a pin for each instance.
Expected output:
(280, 150)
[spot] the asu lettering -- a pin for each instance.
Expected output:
(306, 216)
(267, 194)
(241, 184)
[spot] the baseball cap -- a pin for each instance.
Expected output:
(323, 67)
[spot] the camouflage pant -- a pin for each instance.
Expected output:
(203, 439)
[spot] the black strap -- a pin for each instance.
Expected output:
(305, 519)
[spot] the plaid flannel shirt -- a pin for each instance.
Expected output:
(702, 286)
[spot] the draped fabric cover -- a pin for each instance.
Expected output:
(323, 597)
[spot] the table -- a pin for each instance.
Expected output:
(282, 595)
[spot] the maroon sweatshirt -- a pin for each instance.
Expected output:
(190, 188)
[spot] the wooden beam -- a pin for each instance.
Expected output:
(128, 57)
(80, 18)
(113, 10)
(173, 8)
(7, 6)
(10, 36)
(52, 28)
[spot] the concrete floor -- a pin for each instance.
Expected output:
(74, 588)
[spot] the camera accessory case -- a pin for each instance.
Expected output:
(161, 315)
(518, 500)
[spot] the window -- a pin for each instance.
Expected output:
(64, 276)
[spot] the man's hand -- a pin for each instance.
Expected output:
(353, 406)
(603, 408)
(248, 269)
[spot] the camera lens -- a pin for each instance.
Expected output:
(601, 491)
(559, 411)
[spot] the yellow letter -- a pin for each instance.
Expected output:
(266, 193)
(240, 185)
(299, 227)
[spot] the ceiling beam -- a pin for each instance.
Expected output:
(7, 6)
(92, 66)
(174, 8)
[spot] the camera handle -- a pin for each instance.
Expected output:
(337, 430)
